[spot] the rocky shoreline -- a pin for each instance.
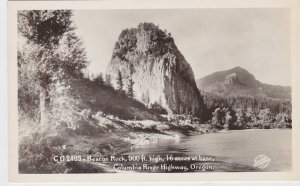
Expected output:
(116, 145)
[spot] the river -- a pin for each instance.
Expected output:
(232, 151)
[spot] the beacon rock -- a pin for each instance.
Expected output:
(159, 71)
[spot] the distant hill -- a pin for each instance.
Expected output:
(239, 82)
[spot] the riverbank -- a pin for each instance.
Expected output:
(132, 135)
(110, 136)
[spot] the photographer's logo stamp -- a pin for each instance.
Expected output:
(261, 161)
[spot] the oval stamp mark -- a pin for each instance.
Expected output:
(261, 161)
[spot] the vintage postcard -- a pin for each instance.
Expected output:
(153, 90)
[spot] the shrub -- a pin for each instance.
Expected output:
(157, 109)
(36, 154)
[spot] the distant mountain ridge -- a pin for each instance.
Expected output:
(239, 82)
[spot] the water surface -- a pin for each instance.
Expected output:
(232, 150)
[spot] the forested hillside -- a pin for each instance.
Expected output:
(240, 101)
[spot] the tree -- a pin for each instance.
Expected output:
(180, 109)
(44, 27)
(288, 121)
(130, 91)
(230, 119)
(218, 118)
(66, 82)
(187, 111)
(119, 81)
(265, 118)
(108, 80)
(157, 108)
(72, 55)
(250, 105)
(99, 80)
(131, 69)
(28, 91)
(52, 49)
(241, 118)
(264, 115)
(193, 110)
(250, 116)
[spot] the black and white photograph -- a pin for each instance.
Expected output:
(197, 90)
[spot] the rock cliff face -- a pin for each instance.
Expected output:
(232, 79)
(159, 71)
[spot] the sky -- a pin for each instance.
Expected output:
(210, 39)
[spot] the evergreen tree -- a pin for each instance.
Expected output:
(108, 80)
(119, 81)
(130, 91)
(187, 111)
(131, 69)
(72, 55)
(180, 109)
(193, 110)
(241, 118)
(99, 80)
(44, 30)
